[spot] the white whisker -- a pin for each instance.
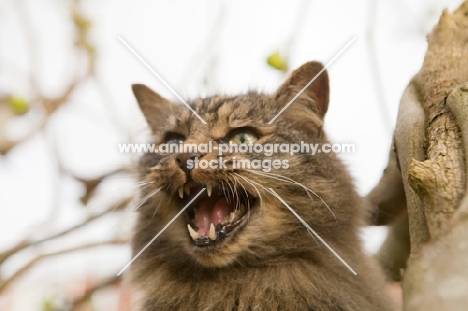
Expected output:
(256, 189)
(313, 231)
(232, 191)
(245, 191)
(236, 194)
(91, 206)
(292, 181)
(224, 191)
(145, 199)
(247, 194)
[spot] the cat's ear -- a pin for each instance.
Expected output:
(154, 107)
(316, 95)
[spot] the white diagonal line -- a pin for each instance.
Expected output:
(313, 231)
(161, 79)
(160, 232)
(313, 79)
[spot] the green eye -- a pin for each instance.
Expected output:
(243, 138)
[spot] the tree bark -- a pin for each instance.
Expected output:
(431, 143)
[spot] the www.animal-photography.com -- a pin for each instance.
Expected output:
(233, 155)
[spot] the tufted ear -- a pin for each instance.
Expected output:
(315, 96)
(154, 107)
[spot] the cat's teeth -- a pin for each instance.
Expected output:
(232, 216)
(212, 233)
(209, 188)
(194, 234)
(187, 189)
(181, 192)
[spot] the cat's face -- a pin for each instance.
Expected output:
(236, 218)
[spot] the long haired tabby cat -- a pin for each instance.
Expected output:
(237, 247)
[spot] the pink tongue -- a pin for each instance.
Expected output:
(216, 215)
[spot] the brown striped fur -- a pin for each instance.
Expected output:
(272, 263)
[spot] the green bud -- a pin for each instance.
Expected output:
(276, 61)
(81, 22)
(47, 305)
(18, 104)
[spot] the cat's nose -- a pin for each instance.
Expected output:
(183, 161)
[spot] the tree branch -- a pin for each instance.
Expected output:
(27, 243)
(436, 277)
(41, 257)
(409, 141)
(387, 199)
(457, 102)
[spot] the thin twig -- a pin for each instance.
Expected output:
(77, 302)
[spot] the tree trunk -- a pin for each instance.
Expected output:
(430, 146)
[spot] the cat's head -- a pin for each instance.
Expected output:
(236, 217)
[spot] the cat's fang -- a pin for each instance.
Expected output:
(231, 217)
(212, 233)
(209, 188)
(181, 192)
(193, 233)
(187, 189)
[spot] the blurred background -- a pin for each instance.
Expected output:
(66, 104)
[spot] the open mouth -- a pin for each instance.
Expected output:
(217, 213)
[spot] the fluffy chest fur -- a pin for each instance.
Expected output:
(236, 246)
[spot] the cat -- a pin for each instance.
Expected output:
(256, 255)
